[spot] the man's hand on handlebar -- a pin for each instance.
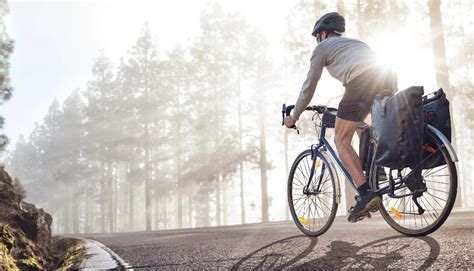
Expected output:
(289, 121)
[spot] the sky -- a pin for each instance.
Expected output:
(56, 42)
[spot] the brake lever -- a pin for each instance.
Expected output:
(297, 130)
(283, 110)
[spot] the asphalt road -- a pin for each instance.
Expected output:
(366, 244)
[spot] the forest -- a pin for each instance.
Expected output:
(192, 137)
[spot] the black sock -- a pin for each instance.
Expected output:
(363, 189)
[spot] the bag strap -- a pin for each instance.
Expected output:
(384, 95)
(383, 108)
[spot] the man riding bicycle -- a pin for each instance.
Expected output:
(354, 64)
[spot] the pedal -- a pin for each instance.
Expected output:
(360, 217)
(363, 216)
(374, 210)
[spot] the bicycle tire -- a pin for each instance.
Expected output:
(433, 201)
(301, 169)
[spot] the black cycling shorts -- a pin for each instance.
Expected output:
(360, 93)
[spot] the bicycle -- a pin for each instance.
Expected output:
(314, 190)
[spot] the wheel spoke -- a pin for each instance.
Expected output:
(323, 205)
(431, 188)
(435, 199)
(431, 181)
(438, 170)
(426, 208)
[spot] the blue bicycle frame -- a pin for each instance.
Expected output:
(323, 143)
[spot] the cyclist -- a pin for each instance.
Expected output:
(353, 63)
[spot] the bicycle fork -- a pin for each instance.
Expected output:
(314, 166)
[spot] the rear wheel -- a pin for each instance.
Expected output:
(440, 177)
(313, 211)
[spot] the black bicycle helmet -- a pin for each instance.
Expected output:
(331, 22)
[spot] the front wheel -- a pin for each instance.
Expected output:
(440, 177)
(313, 211)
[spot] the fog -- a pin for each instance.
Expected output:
(149, 126)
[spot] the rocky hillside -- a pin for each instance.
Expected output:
(25, 233)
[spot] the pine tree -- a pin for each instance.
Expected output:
(264, 77)
(212, 62)
(177, 80)
(151, 102)
(6, 49)
(72, 146)
(99, 130)
(129, 136)
(52, 174)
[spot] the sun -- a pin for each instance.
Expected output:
(412, 62)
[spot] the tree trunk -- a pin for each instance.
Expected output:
(224, 202)
(439, 51)
(147, 152)
(147, 181)
(75, 210)
(178, 158)
(131, 200)
(66, 215)
(207, 212)
(242, 193)
(130, 186)
(241, 163)
(102, 197)
(116, 196)
(218, 199)
(111, 192)
(340, 7)
(441, 66)
(179, 205)
(216, 146)
(263, 164)
(263, 171)
(190, 209)
(286, 210)
(88, 209)
(360, 18)
(165, 213)
(156, 213)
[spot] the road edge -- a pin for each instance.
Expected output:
(98, 254)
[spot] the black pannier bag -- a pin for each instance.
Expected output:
(398, 128)
(436, 113)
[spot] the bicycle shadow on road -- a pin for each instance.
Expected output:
(278, 255)
(390, 252)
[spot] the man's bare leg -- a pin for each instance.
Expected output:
(344, 132)
(367, 199)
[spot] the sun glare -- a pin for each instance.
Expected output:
(410, 60)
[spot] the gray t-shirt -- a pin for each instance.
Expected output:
(344, 59)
